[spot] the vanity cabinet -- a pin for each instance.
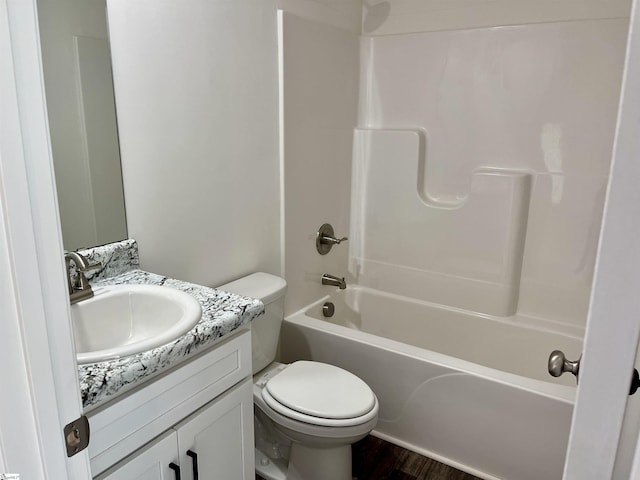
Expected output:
(212, 442)
(219, 435)
(204, 407)
(152, 463)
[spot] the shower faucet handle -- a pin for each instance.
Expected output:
(325, 239)
(558, 364)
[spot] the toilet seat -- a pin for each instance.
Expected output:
(320, 394)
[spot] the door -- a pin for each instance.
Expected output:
(217, 440)
(613, 325)
(158, 461)
(40, 393)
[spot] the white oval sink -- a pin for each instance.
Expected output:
(123, 320)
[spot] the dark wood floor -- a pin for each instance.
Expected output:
(375, 459)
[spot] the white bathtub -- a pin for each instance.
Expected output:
(471, 391)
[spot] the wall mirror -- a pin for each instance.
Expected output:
(82, 121)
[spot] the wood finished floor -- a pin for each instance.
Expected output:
(375, 459)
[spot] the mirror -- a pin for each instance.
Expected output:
(82, 121)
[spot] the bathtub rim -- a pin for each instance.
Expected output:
(563, 393)
(527, 322)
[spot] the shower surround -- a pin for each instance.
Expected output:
(492, 148)
(472, 197)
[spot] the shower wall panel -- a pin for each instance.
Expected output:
(319, 112)
(387, 17)
(466, 255)
(343, 14)
(539, 99)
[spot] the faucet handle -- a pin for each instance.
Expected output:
(82, 266)
(83, 283)
(325, 239)
(82, 289)
(328, 240)
(88, 267)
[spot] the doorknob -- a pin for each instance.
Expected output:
(558, 364)
(635, 382)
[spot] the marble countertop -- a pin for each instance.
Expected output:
(222, 313)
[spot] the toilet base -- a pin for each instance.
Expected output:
(307, 464)
(319, 463)
(269, 468)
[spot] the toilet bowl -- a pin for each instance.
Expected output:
(307, 414)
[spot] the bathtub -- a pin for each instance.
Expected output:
(469, 390)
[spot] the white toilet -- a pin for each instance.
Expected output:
(306, 414)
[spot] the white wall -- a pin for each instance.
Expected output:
(388, 17)
(539, 99)
(344, 14)
(82, 121)
(196, 93)
(320, 81)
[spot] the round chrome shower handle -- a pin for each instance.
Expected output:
(558, 364)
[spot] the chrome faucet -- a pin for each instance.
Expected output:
(334, 281)
(80, 289)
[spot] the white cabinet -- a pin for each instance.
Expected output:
(216, 440)
(205, 405)
(151, 463)
(221, 435)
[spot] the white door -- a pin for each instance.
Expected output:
(613, 325)
(40, 392)
(217, 440)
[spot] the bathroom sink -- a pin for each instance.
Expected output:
(127, 319)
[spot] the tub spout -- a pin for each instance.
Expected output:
(334, 281)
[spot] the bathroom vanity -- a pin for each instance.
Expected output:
(197, 418)
(179, 411)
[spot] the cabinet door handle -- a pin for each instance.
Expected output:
(194, 457)
(176, 469)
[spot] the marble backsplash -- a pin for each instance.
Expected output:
(114, 258)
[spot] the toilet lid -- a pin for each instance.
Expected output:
(321, 390)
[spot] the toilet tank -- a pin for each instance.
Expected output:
(265, 330)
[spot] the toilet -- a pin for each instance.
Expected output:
(306, 414)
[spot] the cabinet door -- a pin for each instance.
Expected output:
(221, 436)
(149, 463)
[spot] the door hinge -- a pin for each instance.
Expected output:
(76, 435)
